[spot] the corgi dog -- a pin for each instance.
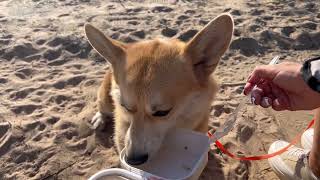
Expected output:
(155, 86)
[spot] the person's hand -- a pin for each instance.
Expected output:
(282, 87)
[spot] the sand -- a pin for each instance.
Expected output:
(49, 75)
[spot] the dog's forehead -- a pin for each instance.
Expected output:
(157, 70)
(153, 61)
(153, 51)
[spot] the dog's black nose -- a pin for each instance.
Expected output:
(137, 159)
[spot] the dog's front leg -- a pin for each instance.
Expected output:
(104, 102)
(120, 131)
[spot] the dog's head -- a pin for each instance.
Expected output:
(161, 81)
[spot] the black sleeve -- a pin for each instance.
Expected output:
(310, 77)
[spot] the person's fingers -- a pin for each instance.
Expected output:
(262, 72)
(258, 76)
(261, 95)
(266, 102)
(281, 100)
(256, 96)
(265, 86)
(248, 88)
(278, 105)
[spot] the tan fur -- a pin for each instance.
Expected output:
(158, 75)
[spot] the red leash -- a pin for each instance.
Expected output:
(266, 156)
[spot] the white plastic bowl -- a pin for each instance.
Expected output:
(183, 156)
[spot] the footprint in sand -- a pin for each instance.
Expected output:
(220, 108)
(247, 46)
(245, 132)
(309, 25)
(20, 50)
(236, 12)
(287, 30)
(73, 81)
(169, 32)
(25, 108)
(127, 38)
(78, 47)
(20, 155)
(21, 94)
(60, 99)
(139, 34)
(24, 73)
(161, 9)
(187, 35)
(307, 41)
(40, 41)
(66, 130)
(52, 120)
(3, 80)
(52, 54)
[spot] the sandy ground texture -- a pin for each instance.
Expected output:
(49, 75)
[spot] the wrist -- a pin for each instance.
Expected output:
(310, 72)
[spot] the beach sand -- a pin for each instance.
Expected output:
(49, 75)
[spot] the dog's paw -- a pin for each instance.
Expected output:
(98, 120)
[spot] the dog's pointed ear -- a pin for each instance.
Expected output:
(110, 49)
(205, 49)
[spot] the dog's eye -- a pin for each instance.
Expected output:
(161, 113)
